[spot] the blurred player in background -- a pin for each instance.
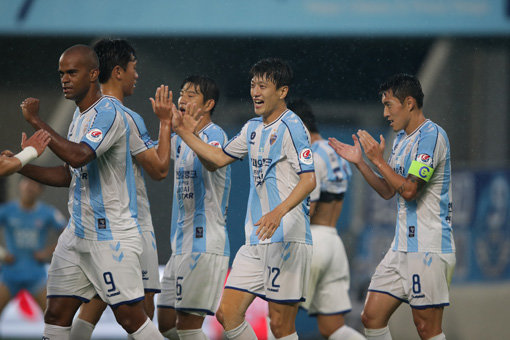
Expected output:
(194, 276)
(118, 76)
(27, 223)
(418, 267)
(328, 289)
(274, 263)
(33, 148)
(98, 254)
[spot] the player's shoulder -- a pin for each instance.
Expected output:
(213, 128)
(8, 206)
(293, 123)
(106, 105)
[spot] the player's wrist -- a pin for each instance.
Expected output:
(28, 154)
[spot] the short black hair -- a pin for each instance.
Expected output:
(304, 111)
(207, 87)
(113, 52)
(274, 69)
(403, 85)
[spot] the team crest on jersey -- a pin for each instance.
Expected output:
(215, 144)
(424, 159)
(305, 156)
(95, 135)
(273, 138)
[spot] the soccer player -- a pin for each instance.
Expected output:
(194, 276)
(32, 147)
(118, 76)
(98, 253)
(274, 263)
(417, 268)
(328, 288)
(27, 224)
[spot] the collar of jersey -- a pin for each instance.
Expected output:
(91, 106)
(418, 128)
(112, 97)
(205, 127)
(277, 119)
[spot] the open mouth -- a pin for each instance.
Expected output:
(258, 102)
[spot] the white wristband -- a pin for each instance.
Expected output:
(27, 155)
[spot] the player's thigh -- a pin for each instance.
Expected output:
(5, 296)
(428, 321)
(92, 310)
(167, 318)
(282, 317)
(378, 309)
(328, 324)
(233, 306)
(131, 316)
(189, 321)
(149, 263)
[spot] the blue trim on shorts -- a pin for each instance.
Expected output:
(393, 296)
(165, 306)
(127, 302)
(334, 313)
(150, 290)
(207, 311)
(69, 296)
(431, 306)
(265, 297)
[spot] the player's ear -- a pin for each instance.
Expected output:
(283, 91)
(410, 103)
(94, 74)
(117, 72)
(209, 105)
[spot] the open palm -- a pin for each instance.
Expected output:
(351, 153)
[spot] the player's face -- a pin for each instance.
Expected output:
(29, 190)
(190, 93)
(74, 76)
(395, 112)
(266, 97)
(129, 77)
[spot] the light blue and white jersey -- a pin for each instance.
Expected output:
(332, 172)
(139, 141)
(26, 231)
(199, 211)
(424, 224)
(278, 153)
(102, 199)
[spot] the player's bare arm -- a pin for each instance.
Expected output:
(268, 223)
(184, 125)
(408, 187)
(74, 154)
(156, 161)
(58, 176)
(354, 154)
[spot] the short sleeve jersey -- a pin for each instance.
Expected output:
(200, 201)
(26, 232)
(139, 141)
(278, 153)
(425, 223)
(332, 172)
(102, 199)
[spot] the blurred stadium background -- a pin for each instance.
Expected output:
(340, 51)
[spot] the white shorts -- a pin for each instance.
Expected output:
(193, 283)
(83, 268)
(149, 263)
(275, 272)
(420, 279)
(328, 288)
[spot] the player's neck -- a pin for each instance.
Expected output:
(27, 204)
(416, 120)
(314, 137)
(92, 96)
(109, 89)
(274, 115)
(203, 123)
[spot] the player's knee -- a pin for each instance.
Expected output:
(367, 319)
(53, 317)
(220, 317)
(278, 327)
(425, 331)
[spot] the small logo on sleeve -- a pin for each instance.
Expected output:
(305, 156)
(95, 135)
(216, 144)
(424, 159)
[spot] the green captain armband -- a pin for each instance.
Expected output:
(420, 170)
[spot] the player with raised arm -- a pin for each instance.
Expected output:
(274, 262)
(27, 223)
(98, 253)
(328, 289)
(118, 76)
(32, 147)
(418, 267)
(194, 276)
